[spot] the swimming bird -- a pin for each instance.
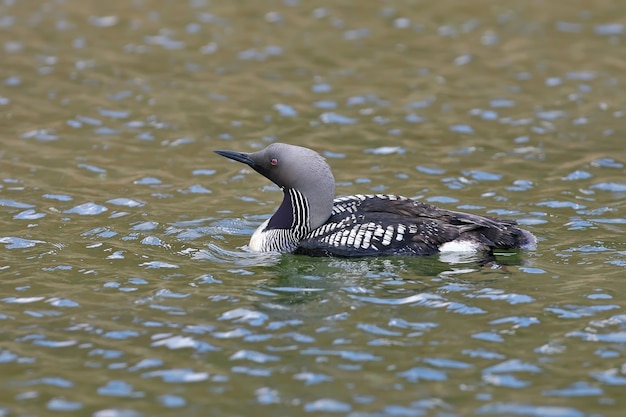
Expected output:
(311, 221)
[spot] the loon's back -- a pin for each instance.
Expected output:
(383, 224)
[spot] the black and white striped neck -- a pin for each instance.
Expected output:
(283, 231)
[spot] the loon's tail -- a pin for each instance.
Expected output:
(528, 240)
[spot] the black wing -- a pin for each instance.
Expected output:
(365, 225)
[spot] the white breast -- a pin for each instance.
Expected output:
(257, 241)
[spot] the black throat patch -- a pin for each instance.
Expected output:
(283, 218)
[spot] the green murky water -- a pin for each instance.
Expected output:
(125, 290)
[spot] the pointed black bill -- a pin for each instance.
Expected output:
(237, 156)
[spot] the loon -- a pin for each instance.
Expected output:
(311, 221)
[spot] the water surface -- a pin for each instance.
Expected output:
(126, 287)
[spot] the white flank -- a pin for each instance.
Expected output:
(459, 246)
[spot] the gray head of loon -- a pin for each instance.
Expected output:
(294, 167)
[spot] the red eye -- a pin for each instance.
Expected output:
(274, 161)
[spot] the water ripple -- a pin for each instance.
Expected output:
(577, 389)
(87, 209)
(335, 118)
(218, 254)
(495, 294)
(12, 242)
(424, 300)
(421, 373)
(522, 409)
(127, 288)
(343, 354)
(177, 375)
(254, 356)
(327, 405)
